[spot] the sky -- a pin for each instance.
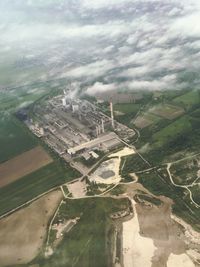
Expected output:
(115, 44)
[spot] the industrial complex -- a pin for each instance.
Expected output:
(72, 126)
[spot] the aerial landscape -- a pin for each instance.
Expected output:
(99, 133)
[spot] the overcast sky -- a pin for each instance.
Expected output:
(134, 44)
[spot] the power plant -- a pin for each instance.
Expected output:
(74, 126)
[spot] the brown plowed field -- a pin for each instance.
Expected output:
(23, 164)
(22, 234)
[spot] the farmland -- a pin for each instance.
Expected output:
(167, 111)
(34, 184)
(22, 234)
(188, 100)
(181, 125)
(14, 138)
(23, 164)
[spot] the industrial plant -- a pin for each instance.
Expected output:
(73, 126)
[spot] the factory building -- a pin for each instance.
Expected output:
(105, 142)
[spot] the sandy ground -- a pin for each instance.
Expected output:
(137, 250)
(122, 153)
(78, 188)
(179, 260)
(23, 164)
(152, 238)
(22, 234)
(111, 165)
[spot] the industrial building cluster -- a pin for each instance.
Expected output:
(74, 127)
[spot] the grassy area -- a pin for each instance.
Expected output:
(189, 99)
(127, 108)
(132, 163)
(161, 185)
(128, 112)
(195, 193)
(34, 184)
(87, 243)
(14, 138)
(185, 172)
(168, 133)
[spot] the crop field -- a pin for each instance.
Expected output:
(34, 184)
(22, 233)
(125, 113)
(146, 120)
(23, 164)
(87, 243)
(189, 99)
(127, 108)
(14, 138)
(167, 111)
(181, 125)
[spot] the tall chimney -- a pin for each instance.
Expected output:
(102, 126)
(112, 115)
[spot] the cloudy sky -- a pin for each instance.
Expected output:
(115, 44)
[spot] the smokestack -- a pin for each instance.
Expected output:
(112, 115)
(97, 131)
(102, 126)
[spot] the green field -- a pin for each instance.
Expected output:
(14, 137)
(88, 243)
(132, 164)
(128, 110)
(181, 125)
(34, 184)
(189, 99)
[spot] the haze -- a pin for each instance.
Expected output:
(116, 44)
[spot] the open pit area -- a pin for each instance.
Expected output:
(23, 233)
(23, 164)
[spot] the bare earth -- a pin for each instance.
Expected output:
(22, 234)
(152, 238)
(23, 164)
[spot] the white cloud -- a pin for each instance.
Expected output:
(100, 88)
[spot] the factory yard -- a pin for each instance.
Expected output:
(23, 164)
(22, 234)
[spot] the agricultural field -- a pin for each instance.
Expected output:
(169, 132)
(86, 242)
(23, 233)
(23, 164)
(14, 138)
(167, 111)
(145, 120)
(126, 112)
(188, 100)
(34, 184)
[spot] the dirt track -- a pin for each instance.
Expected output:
(22, 165)
(22, 234)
